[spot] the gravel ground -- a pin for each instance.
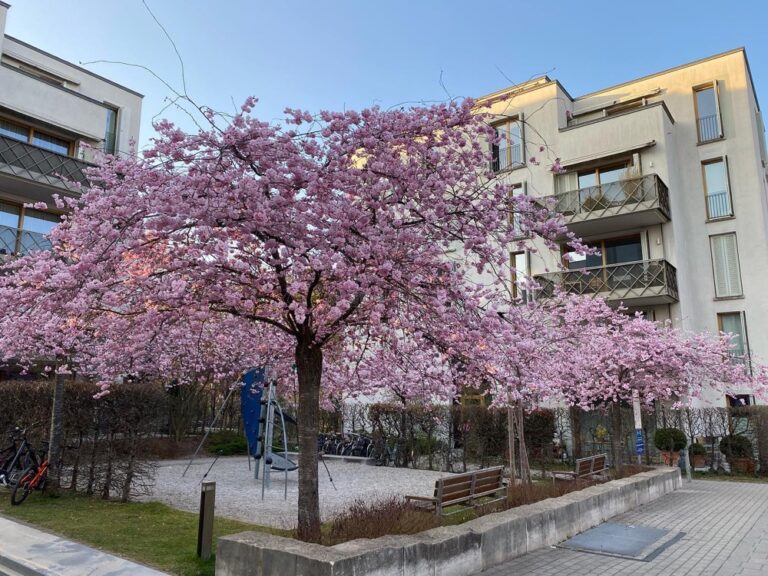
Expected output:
(238, 494)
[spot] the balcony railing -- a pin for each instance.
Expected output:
(13, 241)
(634, 282)
(33, 163)
(615, 198)
(719, 204)
(709, 128)
(507, 157)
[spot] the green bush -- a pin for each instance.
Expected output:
(669, 439)
(736, 446)
(227, 443)
(697, 449)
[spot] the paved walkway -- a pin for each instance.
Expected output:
(27, 551)
(726, 534)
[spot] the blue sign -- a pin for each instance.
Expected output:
(250, 406)
(639, 442)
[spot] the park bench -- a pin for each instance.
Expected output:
(585, 468)
(466, 489)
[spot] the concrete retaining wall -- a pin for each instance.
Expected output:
(449, 551)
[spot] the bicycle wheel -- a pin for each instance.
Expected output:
(23, 487)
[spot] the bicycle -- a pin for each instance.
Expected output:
(32, 478)
(13, 467)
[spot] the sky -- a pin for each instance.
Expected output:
(344, 54)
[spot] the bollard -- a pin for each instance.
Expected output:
(205, 526)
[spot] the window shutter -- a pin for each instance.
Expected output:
(725, 262)
(717, 107)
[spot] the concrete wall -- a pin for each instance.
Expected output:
(449, 551)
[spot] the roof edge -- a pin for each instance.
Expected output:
(75, 66)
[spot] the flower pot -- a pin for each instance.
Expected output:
(670, 458)
(699, 460)
(742, 465)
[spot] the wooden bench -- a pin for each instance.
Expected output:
(465, 489)
(588, 467)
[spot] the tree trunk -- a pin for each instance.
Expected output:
(309, 366)
(525, 469)
(511, 446)
(54, 438)
(616, 434)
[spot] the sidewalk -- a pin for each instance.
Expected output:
(25, 551)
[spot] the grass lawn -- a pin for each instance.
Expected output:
(146, 532)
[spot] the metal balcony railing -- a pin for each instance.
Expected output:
(14, 241)
(33, 163)
(709, 128)
(507, 157)
(623, 197)
(719, 204)
(627, 281)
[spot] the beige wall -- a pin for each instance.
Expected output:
(676, 157)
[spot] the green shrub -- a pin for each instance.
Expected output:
(736, 446)
(697, 449)
(227, 443)
(669, 439)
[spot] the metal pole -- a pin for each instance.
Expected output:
(205, 436)
(639, 440)
(205, 524)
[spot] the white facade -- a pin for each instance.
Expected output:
(54, 117)
(667, 175)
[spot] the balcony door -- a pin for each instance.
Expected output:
(603, 187)
(612, 251)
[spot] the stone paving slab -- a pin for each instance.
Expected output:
(30, 552)
(726, 534)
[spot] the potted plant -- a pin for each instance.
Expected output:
(670, 441)
(738, 452)
(698, 455)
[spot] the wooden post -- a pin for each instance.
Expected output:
(205, 524)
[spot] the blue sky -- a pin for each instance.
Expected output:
(332, 54)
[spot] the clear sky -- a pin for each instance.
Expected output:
(332, 54)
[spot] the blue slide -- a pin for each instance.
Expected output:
(250, 405)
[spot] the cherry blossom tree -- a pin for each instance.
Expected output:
(309, 235)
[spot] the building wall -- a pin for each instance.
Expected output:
(668, 121)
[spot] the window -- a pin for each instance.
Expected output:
(32, 136)
(110, 133)
(725, 265)
(509, 150)
(603, 187)
(24, 230)
(517, 225)
(521, 272)
(739, 400)
(708, 124)
(51, 143)
(735, 323)
(716, 188)
(14, 131)
(612, 251)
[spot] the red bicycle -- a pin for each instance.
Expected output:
(33, 478)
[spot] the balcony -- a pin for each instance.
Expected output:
(614, 206)
(642, 283)
(42, 166)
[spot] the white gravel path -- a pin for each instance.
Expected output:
(238, 494)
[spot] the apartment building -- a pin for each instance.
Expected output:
(667, 176)
(54, 118)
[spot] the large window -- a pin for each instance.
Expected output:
(602, 187)
(24, 230)
(735, 323)
(708, 123)
(35, 137)
(725, 265)
(612, 251)
(509, 151)
(716, 188)
(517, 225)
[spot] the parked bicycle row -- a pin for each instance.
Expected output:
(385, 452)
